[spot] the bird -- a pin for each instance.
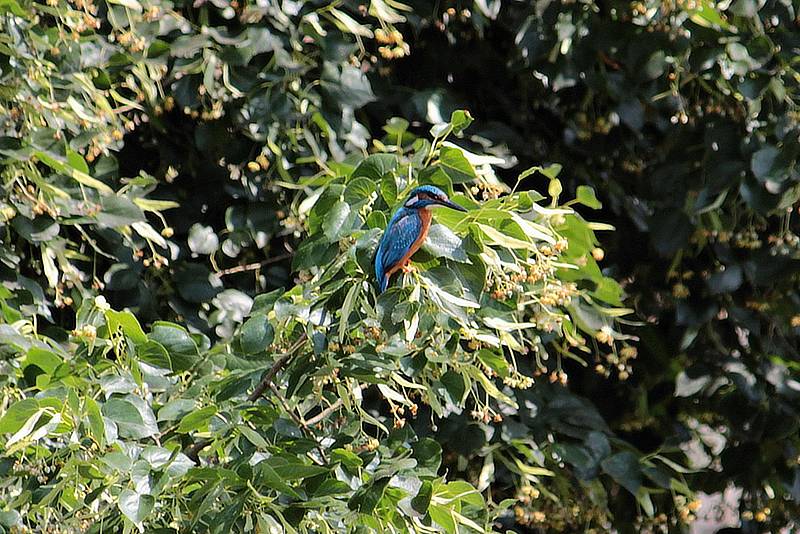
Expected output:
(407, 230)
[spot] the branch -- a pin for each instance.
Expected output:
(253, 266)
(193, 451)
(298, 421)
(330, 409)
(325, 413)
(277, 366)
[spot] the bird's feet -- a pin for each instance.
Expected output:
(408, 268)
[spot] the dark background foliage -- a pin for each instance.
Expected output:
(687, 127)
(686, 123)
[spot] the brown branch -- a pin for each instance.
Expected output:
(277, 366)
(253, 266)
(608, 61)
(325, 413)
(193, 451)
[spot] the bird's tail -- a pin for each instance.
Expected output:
(384, 283)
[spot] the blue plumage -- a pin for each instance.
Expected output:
(407, 230)
(402, 231)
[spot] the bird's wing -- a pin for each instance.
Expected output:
(396, 242)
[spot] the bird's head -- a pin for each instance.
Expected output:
(429, 196)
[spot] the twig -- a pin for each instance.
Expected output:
(325, 413)
(608, 61)
(279, 363)
(194, 450)
(252, 266)
(298, 421)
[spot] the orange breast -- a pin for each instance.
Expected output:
(425, 216)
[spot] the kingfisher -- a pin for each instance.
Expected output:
(407, 231)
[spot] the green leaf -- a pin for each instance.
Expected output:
(706, 15)
(332, 487)
(443, 517)
(435, 175)
(196, 420)
(359, 189)
(727, 280)
(175, 409)
(455, 165)
(130, 4)
(443, 243)
(376, 167)
(129, 324)
(763, 164)
(10, 518)
(58, 165)
(495, 362)
(45, 360)
(422, 499)
(253, 437)
(17, 414)
(396, 126)
(76, 161)
(133, 416)
(347, 309)
(489, 385)
(643, 498)
(37, 230)
(179, 344)
(154, 353)
(624, 468)
(117, 211)
(257, 334)
(135, 506)
(335, 223)
(454, 385)
(195, 283)
(346, 458)
(585, 195)
(96, 425)
(460, 120)
(389, 189)
(264, 303)
(367, 497)
(267, 476)
(295, 470)
(377, 219)
(428, 454)
(551, 171)
(13, 7)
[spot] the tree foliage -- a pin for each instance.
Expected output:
(192, 194)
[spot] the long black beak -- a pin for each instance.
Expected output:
(451, 205)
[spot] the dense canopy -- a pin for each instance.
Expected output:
(191, 336)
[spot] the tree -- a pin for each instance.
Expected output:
(221, 172)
